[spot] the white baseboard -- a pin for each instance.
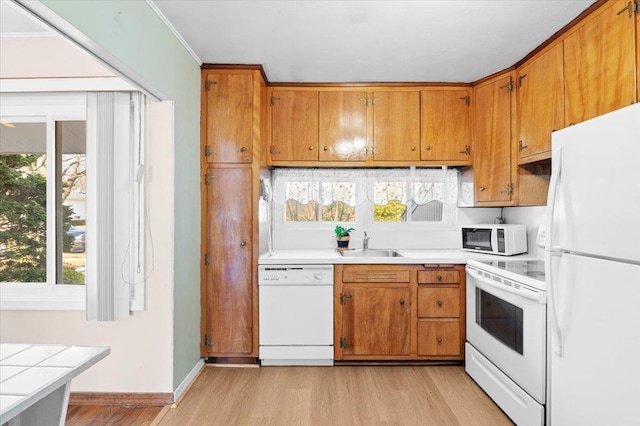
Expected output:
(184, 385)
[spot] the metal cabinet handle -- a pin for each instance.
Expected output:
(243, 149)
(481, 188)
(413, 148)
(439, 277)
(242, 244)
(326, 148)
(439, 302)
(402, 302)
(439, 340)
(311, 148)
(428, 147)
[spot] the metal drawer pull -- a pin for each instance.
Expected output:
(439, 302)
(402, 302)
(439, 339)
(439, 277)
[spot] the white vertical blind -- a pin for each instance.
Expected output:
(115, 256)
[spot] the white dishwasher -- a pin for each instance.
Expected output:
(296, 314)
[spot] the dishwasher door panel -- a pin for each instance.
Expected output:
(296, 315)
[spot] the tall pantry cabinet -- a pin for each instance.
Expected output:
(232, 123)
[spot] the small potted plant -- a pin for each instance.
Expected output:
(342, 237)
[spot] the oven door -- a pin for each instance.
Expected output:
(506, 323)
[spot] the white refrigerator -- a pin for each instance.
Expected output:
(592, 258)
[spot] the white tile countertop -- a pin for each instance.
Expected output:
(413, 256)
(34, 380)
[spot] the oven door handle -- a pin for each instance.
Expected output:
(536, 296)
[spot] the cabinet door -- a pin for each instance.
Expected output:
(343, 126)
(396, 126)
(439, 338)
(540, 94)
(228, 306)
(228, 109)
(376, 320)
(294, 126)
(492, 141)
(446, 125)
(599, 64)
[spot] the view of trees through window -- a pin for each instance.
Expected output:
(24, 206)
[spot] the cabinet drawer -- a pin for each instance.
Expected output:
(439, 338)
(354, 275)
(438, 277)
(434, 302)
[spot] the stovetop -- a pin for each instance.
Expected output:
(529, 272)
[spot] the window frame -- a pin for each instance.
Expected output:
(48, 108)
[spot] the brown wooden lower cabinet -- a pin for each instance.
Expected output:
(399, 312)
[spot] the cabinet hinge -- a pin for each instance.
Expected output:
(467, 150)
(508, 86)
(207, 259)
(272, 100)
(343, 343)
(207, 151)
(207, 84)
(467, 100)
(508, 190)
(344, 297)
(208, 341)
(520, 78)
(630, 8)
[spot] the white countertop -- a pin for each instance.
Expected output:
(29, 373)
(412, 256)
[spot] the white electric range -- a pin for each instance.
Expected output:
(506, 335)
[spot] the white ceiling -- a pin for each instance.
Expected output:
(369, 41)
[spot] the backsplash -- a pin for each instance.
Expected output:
(410, 238)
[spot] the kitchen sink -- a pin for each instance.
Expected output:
(370, 253)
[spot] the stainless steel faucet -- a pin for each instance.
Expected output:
(365, 241)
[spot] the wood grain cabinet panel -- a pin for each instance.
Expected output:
(294, 125)
(439, 338)
(446, 126)
(438, 277)
(599, 63)
(493, 171)
(396, 126)
(540, 97)
(376, 320)
(343, 126)
(230, 275)
(438, 302)
(228, 110)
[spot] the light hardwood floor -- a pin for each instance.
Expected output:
(341, 395)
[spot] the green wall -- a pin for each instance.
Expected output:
(136, 36)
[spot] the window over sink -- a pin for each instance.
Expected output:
(313, 198)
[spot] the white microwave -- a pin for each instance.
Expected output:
(502, 239)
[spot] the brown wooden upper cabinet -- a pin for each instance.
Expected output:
(228, 115)
(446, 126)
(396, 126)
(343, 126)
(540, 94)
(493, 171)
(294, 125)
(599, 63)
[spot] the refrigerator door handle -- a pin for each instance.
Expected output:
(551, 252)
